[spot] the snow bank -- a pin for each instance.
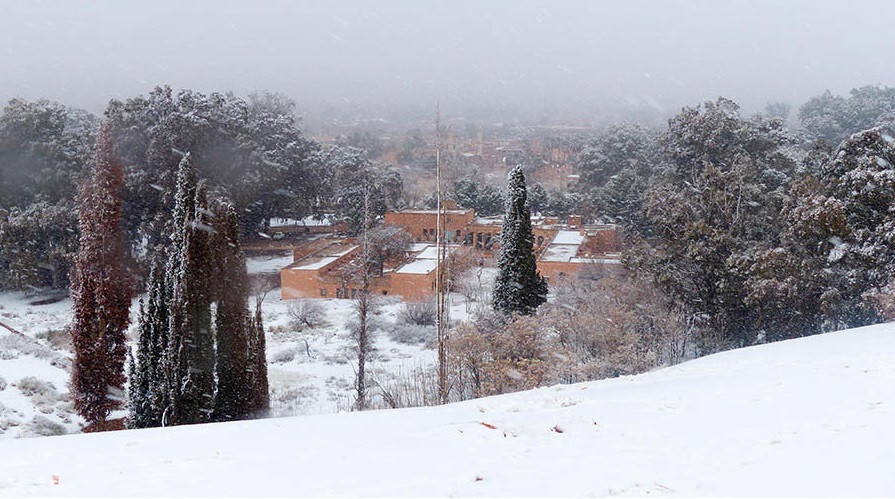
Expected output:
(808, 417)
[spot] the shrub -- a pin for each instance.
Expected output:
(31, 387)
(2, 384)
(305, 314)
(411, 334)
(418, 313)
(283, 356)
(45, 427)
(60, 339)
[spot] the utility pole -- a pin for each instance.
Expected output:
(440, 326)
(363, 308)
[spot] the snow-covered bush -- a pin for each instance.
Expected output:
(306, 314)
(31, 386)
(12, 345)
(418, 313)
(283, 356)
(44, 427)
(412, 334)
(416, 388)
(58, 338)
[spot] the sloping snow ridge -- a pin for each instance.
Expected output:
(806, 417)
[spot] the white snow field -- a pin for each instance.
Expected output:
(807, 417)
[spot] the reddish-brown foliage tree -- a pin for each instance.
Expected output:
(101, 290)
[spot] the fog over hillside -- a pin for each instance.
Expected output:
(542, 61)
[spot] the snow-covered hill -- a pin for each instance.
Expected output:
(808, 417)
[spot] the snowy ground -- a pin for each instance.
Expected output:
(807, 417)
(311, 369)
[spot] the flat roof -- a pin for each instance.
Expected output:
(560, 253)
(568, 237)
(324, 256)
(434, 212)
(418, 267)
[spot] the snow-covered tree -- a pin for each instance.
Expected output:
(251, 150)
(834, 118)
(233, 394)
(615, 169)
(191, 344)
(724, 185)
(102, 292)
(150, 377)
(519, 287)
(349, 176)
(45, 152)
(198, 363)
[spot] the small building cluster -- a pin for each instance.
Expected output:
(562, 250)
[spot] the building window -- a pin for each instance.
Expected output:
(426, 234)
(322, 291)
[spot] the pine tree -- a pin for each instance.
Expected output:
(519, 287)
(101, 294)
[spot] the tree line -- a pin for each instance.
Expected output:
(250, 150)
(758, 232)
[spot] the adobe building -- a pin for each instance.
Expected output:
(319, 272)
(421, 224)
(572, 250)
(561, 250)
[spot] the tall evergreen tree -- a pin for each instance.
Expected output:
(101, 295)
(149, 378)
(191, 346)
(519, 287)
(260, 405)
(194, 365)
(234, 389)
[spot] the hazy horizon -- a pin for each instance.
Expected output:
(371, 58)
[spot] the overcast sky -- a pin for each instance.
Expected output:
(465, 54)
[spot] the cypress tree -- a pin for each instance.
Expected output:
(149, 381)
(519, 287)
(139, 377)
(101, 294)
(233, 398)
(260, 405)
(191, 344)
(191, 368)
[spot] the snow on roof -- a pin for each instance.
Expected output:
(419, 266)
(418, 247)
(426, 261)
(430, 252)
(559, 253)
(324, 257)
(319, 264)
(568, 237)
(307, 222)
(489, 221)
(435, 212)
(610, 261)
